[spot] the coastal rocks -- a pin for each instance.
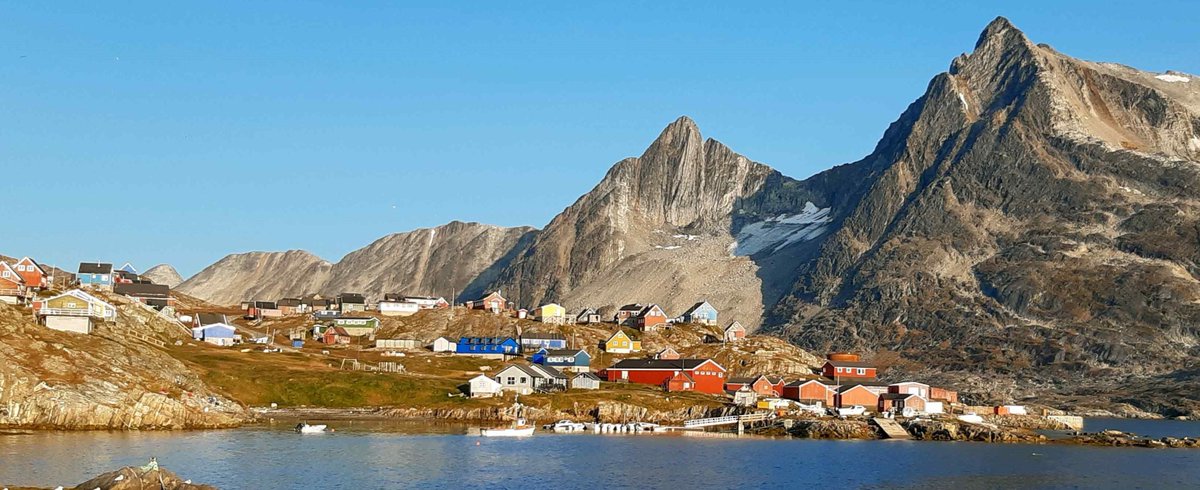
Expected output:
(833, 429)
(941, 430)
(58, 380)
(607, 412)
(1126, 439)
(138, 478)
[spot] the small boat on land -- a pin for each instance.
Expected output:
(971, 418)
(849, 411)
(305, 428)
(565, 426)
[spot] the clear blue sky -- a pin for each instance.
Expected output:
(154, 132)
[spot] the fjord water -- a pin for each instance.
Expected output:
(403, 455)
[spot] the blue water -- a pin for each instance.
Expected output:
(1148, 428)
(396, 455)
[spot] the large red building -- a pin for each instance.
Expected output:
(706, 375)
(841, 366)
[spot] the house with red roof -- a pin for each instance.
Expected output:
(703, 375)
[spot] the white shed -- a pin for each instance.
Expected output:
(484, 387)
(442, 344)
(934, 407)
(398, 308)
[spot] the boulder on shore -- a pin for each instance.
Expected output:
(138, 478)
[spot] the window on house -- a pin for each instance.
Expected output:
(523, 380)
(862, 371)
(510, 380)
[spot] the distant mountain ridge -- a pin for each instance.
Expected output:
(443, 260)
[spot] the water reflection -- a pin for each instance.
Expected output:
(389, 454)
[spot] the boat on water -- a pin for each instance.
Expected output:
(518, 429)
(306, 428)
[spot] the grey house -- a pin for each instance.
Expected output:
(525, 379)
(585, 381)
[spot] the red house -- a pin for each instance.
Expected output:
(681, 381)
(841, 365)
(650, 318)
(627, 313)
(810, 391)
(706, 375)
(493, 302)
(34, 275)
(762, 385)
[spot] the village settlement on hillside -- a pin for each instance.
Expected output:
(544, 361)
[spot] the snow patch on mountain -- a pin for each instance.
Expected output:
(1171, 78)
(774, 234)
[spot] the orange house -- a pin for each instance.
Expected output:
(852, 395)
(34, 275)
(651, 317)
(809, 391)
(841, 365)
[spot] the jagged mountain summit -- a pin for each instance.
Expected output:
(163, 274)
(1031, 216)
(443, 260)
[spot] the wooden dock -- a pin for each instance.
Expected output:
(891, 428)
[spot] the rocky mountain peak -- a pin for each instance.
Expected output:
(163, 274)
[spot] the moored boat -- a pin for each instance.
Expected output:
(518, 429)
(306, 428)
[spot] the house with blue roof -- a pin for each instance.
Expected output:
(498, 347)
(577, 360)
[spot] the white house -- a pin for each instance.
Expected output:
(398, 308)
(220, 334)
(484, 387)
(442, 344)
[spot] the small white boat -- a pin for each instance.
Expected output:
(565, 426)
(971, 418)
(518, 429)
(305, 428)
(645, 427)
(850, 411)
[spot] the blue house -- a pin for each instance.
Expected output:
(95, 274)
(702, 313)
(576, 360)
(534, 341)
(216, 333)
(487, 346)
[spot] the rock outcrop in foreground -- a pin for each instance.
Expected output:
(137, 478)
(59, 380)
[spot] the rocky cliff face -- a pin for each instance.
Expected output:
(51, 379)
(1031, 214)
(163, 274)
(445, 261)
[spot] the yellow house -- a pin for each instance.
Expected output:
(550, 313)
(621, 343)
